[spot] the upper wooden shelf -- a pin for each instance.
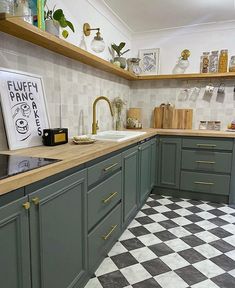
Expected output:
(188, 76)
(17, 27)
(23, 30)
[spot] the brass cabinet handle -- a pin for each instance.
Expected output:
(36, 201)
(205, 162)
(110, 197)
(203, 183)
(26, 205)
(110, 167)
(106, 237)
(206, 145)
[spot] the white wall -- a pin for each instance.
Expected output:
(96, 13)
(197, 39)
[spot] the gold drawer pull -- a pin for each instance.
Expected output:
(26, 205)
(204, 183)
(205, 162)
(110, 167)
(206, 145)
(110, 197)
(36, 201)
(106, 237)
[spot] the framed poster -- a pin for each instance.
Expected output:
(150, 61)
(24, 108)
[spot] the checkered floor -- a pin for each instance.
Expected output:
(173, 243)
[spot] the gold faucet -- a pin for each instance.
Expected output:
(95, 126)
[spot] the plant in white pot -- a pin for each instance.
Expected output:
(119, 58)
(54, 19)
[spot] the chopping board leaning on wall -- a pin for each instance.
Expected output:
(167, 117)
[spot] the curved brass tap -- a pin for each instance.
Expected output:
(95, 126)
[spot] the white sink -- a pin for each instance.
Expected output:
(117, 136)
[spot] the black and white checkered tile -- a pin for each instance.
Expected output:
(173, 243)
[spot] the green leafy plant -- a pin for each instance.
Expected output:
(118, 48)
(58, 15)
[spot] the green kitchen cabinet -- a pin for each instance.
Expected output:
(58, 230)
(169, 162)
(14, 245)
(144, 171)
(130, 182)
(153, 162)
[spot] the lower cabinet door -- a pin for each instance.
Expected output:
(102, 237)
(153, 162)
(58, 231)
(130, 182)
(14, 245)
(144, 170)
(169, 162)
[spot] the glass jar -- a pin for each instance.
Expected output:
(22, 10)
(223, 61)
(232, 64)
(204, 62)
(203, 125)
(214, 61)
(7, 6)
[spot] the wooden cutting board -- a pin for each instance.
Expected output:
(167, 117)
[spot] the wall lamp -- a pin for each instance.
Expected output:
(97, 44)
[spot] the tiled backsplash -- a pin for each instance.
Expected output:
(149, 94)
(71, 88)
(66, 81)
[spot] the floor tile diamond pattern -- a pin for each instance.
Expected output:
(173, 243)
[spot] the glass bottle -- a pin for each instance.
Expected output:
(223, 61)
(204, 62)
(214, 61)
(7, 6)
(232, 64)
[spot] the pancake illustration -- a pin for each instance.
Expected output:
(22, 126)
(25, 109)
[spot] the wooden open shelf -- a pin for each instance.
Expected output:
(188, 76)
(23, 30)
(17, 27)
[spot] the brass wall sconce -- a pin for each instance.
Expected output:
(97, 44)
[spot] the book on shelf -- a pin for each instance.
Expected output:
(38, 13)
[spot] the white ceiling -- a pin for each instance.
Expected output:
(147, 15)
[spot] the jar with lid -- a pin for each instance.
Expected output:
(204, 67)
(223, 61)
(7, 6)
(232, 64)
(214, 61)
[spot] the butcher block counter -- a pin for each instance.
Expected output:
(72, 155)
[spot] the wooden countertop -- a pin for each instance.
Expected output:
(74, 155)
(200, 133)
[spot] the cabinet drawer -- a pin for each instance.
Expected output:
(103, 236)
(207, 161)
(208, 143)
(100, 170)
(205, 183)
(103, 198)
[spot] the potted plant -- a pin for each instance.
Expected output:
(119, 58)
(54, 19)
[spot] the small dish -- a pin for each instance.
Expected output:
(90, 141)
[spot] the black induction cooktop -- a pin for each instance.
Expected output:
(11, 165)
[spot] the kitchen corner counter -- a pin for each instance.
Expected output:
(70, 154)
(199, 133)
